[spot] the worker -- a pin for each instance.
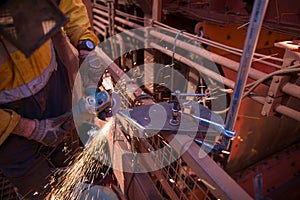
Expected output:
(37, 131)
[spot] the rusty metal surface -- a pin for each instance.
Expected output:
(261, 136)
(278, 171)
(281, 16)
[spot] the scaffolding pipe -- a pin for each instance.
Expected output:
(289, 112)
(279, 108)
(216, 44)
(98, 30)
(118, 19)
(130, 33)
(291, 89)
(196, 66)
(100, 22)
(128, 23)
(257, 16)
(230, 64)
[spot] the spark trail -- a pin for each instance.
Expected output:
(86, 168)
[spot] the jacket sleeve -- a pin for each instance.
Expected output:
(8, 121)
(78, 26)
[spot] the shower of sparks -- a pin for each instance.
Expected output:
(86, 169)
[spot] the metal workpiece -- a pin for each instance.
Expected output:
(124, 115)
(155, 118)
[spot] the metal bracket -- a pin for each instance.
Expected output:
(274, 95)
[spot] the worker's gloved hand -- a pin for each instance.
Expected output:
(53, 131)
(91, 70)
(91, 105)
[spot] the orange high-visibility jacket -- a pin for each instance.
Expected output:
(21, 77)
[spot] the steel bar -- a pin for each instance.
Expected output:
(100, 12)
(128, 23)
(110, 18)
(256, 20)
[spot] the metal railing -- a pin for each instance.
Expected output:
(190, 177)
(181, 182)
(289, 88)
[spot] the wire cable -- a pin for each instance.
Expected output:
(253, 85)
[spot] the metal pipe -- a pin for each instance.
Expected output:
(130, 33)
(215, 44)
(230, 64)
(98, 24)
(128, 23)
(282, 109)
(98, 30)
(287, 112)
(100, 12)
(110, 23)
(291, 89)
(256, 20)
(198, 67)
(288, 88)
(118, 19)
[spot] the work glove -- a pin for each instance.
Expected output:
(93, 103)
(91, 70)
(53, 131)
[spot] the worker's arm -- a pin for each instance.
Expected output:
(8, 121)
(78, 27)
(49, 132)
